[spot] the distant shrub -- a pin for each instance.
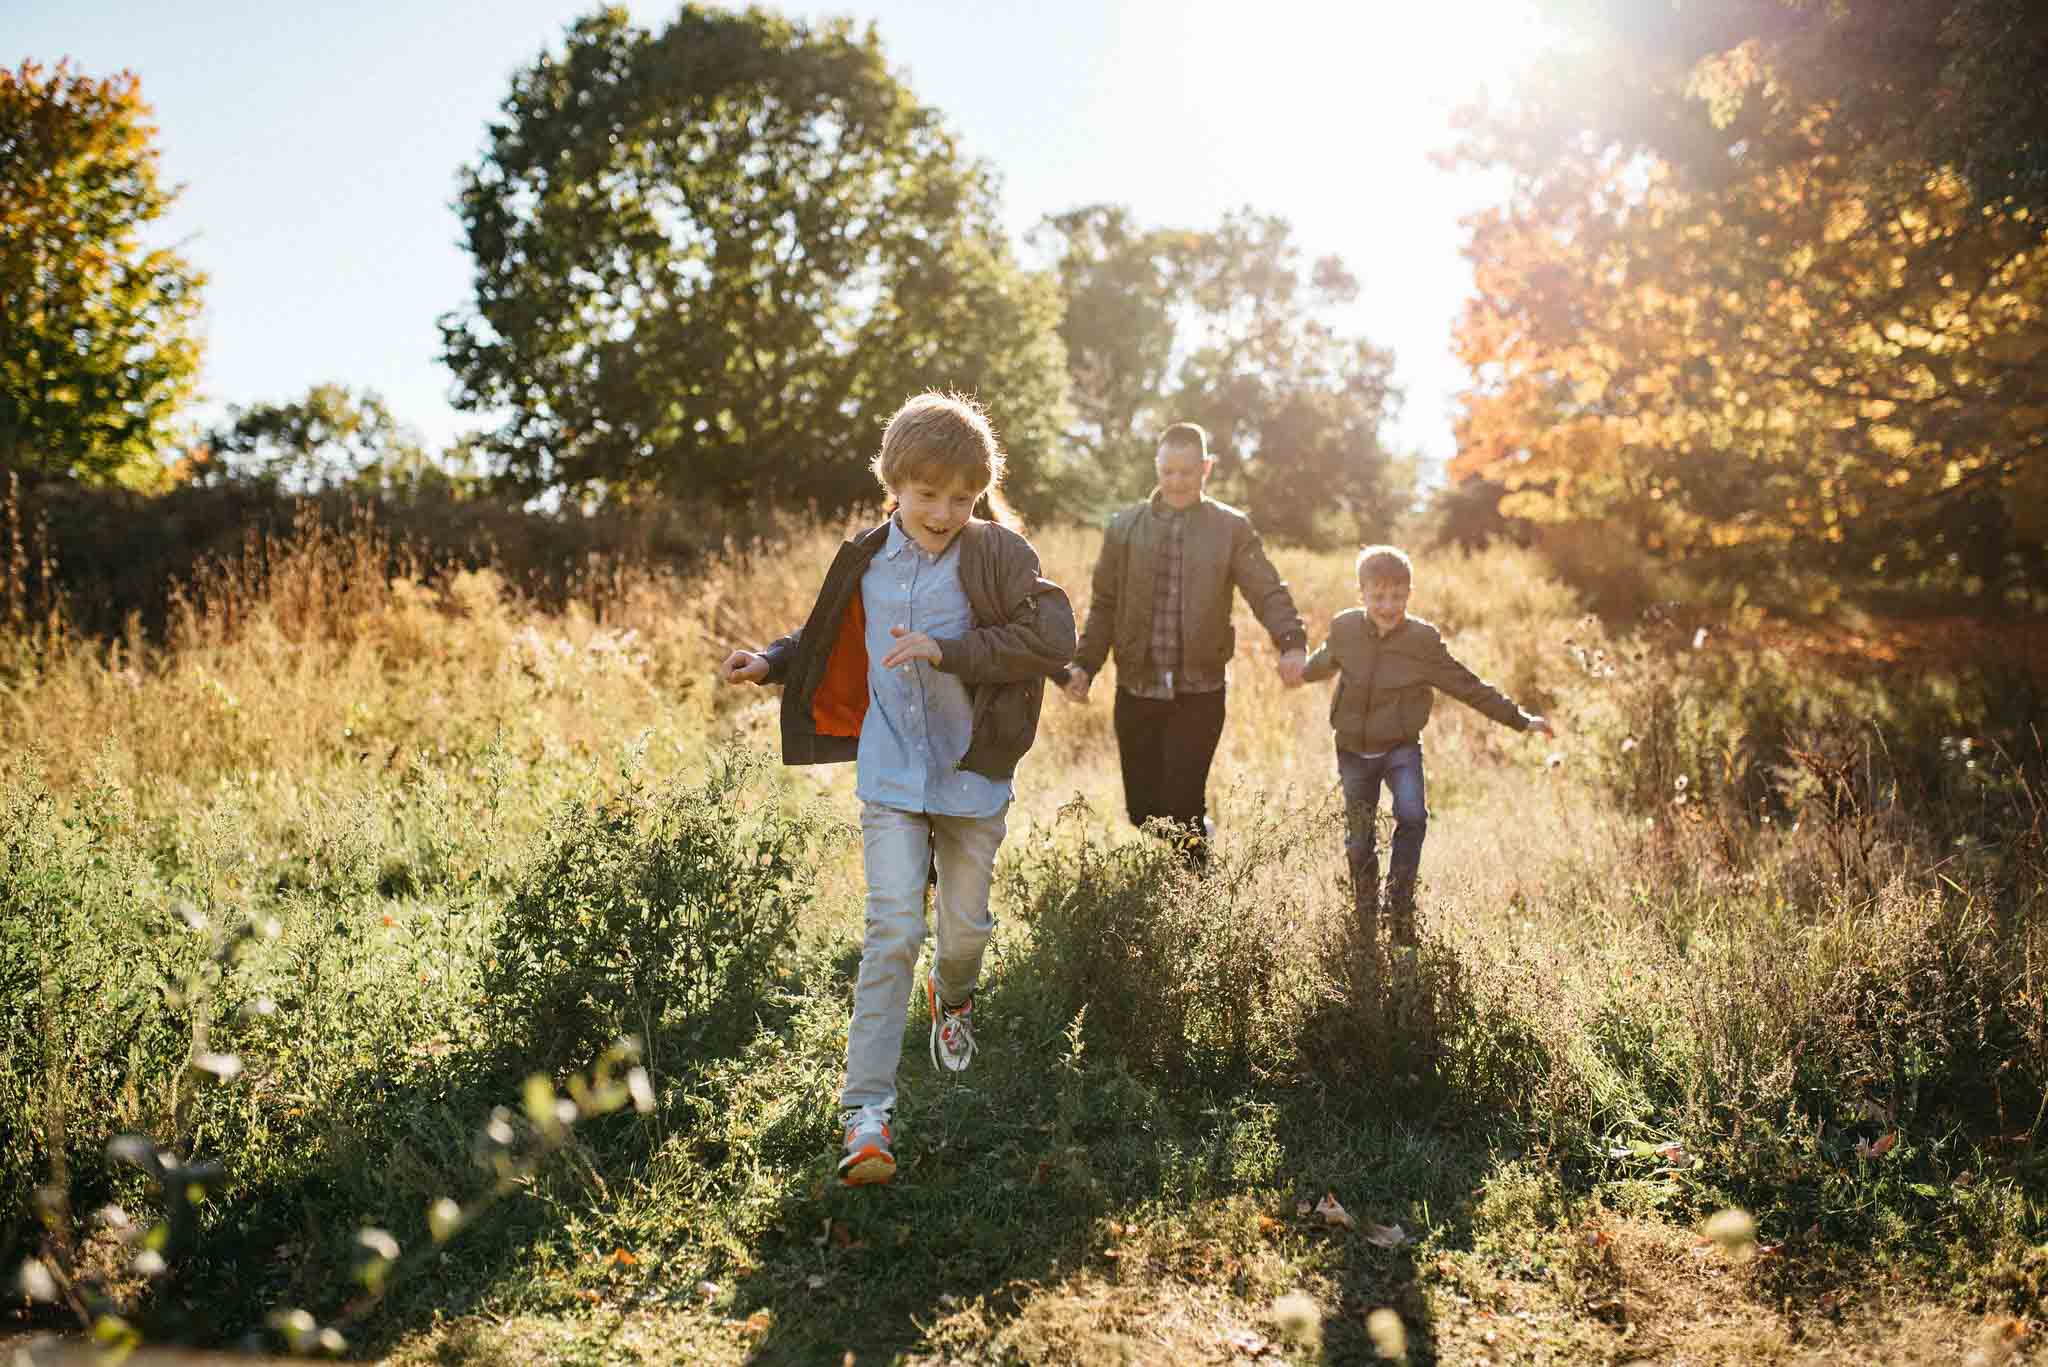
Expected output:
(646, 913)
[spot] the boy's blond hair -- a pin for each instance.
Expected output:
(944, 438)
(1384, 562)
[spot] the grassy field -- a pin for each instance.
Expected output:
(337, 895)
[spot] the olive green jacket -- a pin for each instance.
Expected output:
(1386, 683)
(1220, 551)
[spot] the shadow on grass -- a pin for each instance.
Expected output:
(1020, 1182)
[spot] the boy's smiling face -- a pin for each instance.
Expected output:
(1386, 601)
(933, 510)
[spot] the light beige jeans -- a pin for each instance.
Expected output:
(898, 849)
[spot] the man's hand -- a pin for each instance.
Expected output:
(1292, 663)
(1076, 686)
(743, 666)
(1542, 727)
(910, 645)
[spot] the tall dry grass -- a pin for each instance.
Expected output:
(1744, 933)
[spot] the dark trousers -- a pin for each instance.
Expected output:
(1166, 746)
(1400, 770)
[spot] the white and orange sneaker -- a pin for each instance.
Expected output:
(952, 1029)
(868, 1159)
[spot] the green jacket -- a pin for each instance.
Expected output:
(1220, 551)
(1386, 683)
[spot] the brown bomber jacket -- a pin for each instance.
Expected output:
(1383, 697)
(1023, 632)
(1221, 551)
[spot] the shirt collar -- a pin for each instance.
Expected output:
(1161, 508)
(900, 542)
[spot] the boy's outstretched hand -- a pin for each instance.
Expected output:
(910, 645)
(1292, 663)
(1542, 727)
(1077, 681)
(743, 666)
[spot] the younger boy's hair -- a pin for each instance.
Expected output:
(944, 438)
(1385, 562)
(1187, 434)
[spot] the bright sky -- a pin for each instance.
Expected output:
(319, 144)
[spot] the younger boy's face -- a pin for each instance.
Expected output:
(1386, 601)
(933, 511)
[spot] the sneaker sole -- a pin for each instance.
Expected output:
(867, 1168)
(931, 997)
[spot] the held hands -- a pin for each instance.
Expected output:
(1076, 685)
(910, 645)
(743, 666)
(1292, 663)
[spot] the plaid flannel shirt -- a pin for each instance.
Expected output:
(1162, 676)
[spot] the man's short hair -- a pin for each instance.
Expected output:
(1385, 562)
(1183, 434)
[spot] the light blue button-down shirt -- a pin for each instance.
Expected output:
(920, 718)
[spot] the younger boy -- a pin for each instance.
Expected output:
(924, 661)
(1390, 665)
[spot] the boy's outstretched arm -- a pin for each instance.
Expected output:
(1449, 675)
(1320, 666)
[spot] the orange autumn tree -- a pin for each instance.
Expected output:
(1733, 338)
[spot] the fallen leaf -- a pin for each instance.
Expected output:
(1333, 1211)
(1246, 1341)
(708, 1290)
(757, 1323)
(815, 1281)
(1877, 1149)
(623, 1258)
(1386, 1236)
(1268, 1225)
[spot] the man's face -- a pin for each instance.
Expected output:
(1182, 469)
(934, 510)
(1386, 601)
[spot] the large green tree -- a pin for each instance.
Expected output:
(712, 259)
(98, 341)
(1232, 328)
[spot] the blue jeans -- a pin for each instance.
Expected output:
(899, 851)
(1400, 769)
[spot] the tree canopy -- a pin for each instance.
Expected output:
(1231, 328)
(1721, 313)
(98, 347)
(331, 438)
(711, 260)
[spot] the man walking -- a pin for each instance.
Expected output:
(1161, 601)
